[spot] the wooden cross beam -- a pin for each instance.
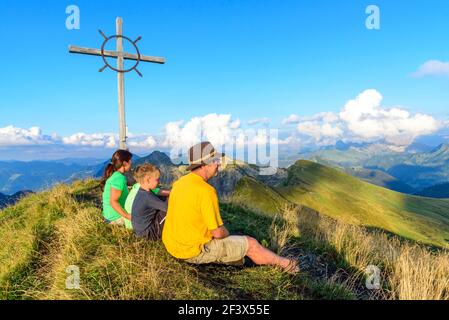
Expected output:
(114, 54)
(120, 56)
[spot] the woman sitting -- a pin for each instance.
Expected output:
(115, 188)
(148, 211)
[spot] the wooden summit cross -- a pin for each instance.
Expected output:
(120, 55)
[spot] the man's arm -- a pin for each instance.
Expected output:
(164, 193)
(220, 233)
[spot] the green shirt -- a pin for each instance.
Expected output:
(118, 182)
(130, 200)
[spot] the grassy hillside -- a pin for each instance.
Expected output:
(379, 178)
(252, 193)
(46, 233)
(338, 195)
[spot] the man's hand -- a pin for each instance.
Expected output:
(164, 193)
(220, 233)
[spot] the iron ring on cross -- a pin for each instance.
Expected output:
(107, 39)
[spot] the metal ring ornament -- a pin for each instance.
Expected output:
(135, 46)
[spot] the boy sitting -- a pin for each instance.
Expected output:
(147, 210)
(158, 191)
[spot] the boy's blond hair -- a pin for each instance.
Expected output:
(146, 170)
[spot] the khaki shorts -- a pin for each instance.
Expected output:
(227, 250)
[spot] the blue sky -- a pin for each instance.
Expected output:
(250, 59)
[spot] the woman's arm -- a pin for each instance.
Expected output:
(115, 196)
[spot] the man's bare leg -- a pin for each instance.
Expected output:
(262, 256)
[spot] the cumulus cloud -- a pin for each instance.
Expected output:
(110, 140)
(259, 121)
(432, 68)
(13, 136)
(216, 128)
(322, 116)
(290, 140)
(364, 119)
(320, 130)
(292, 119)
(142, 142)
(33, 137)
(104, 140)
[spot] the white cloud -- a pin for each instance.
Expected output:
(432, 68)
(31, 144)
(259, 121)
(364, 119)
(145, 143)
(110, 140)
(235, 124)
(13, 136)
(290, 140)
(104, 140)
(322, 116)
(361, 119)
(216, 128)
(320, 130)
(292, 119)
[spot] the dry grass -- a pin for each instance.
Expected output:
(282, 229)
(408, 270)
(113, 263)
(46, 233)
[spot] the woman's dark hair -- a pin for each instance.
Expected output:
(116, 163)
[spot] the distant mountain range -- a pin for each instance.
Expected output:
(417, 169)
(438, 191)
(10, 200)
(37, 175)
(407, 170)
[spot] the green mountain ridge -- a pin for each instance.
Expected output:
(330, 192)
(251, 192)
(412, 170)
(340, 196)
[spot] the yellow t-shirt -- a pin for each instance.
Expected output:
(192, 213)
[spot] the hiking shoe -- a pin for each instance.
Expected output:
(292, 267)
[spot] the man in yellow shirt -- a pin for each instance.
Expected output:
(194, 230)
